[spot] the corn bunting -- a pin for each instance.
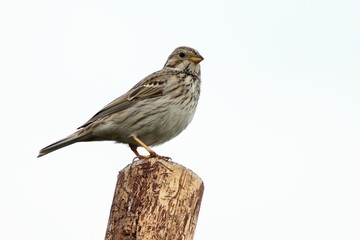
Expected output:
(154, 111)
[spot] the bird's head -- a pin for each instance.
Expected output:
(185, 59)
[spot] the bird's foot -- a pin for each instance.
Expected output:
(141, 157)
(155, 155)
(152, 155)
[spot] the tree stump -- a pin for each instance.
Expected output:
(155, 199)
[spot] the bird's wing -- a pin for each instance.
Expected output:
(151, 86)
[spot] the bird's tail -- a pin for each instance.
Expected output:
(73, 138)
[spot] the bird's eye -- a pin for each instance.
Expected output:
(181, 54)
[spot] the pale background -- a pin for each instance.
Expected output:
(276, 136)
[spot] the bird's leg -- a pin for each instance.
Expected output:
(134, 149)
(152, 153)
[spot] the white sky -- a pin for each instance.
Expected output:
(276, 136)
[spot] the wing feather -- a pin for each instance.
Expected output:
(149, 87)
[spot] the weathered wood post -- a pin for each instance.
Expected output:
(155, 199)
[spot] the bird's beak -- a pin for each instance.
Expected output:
(196, 59)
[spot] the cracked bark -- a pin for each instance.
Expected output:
(155, 199)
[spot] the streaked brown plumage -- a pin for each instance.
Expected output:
(154, 111)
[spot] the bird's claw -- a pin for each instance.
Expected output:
(153, 155)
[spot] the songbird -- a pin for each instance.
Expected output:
(155, 110)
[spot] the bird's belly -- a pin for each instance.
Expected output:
(154, 125)
(167, 127)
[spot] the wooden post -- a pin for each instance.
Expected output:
(155, 199)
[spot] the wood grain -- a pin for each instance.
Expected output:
(155, 199)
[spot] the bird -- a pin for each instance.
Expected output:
(154, 111)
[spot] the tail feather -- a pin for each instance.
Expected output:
(73, 138)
